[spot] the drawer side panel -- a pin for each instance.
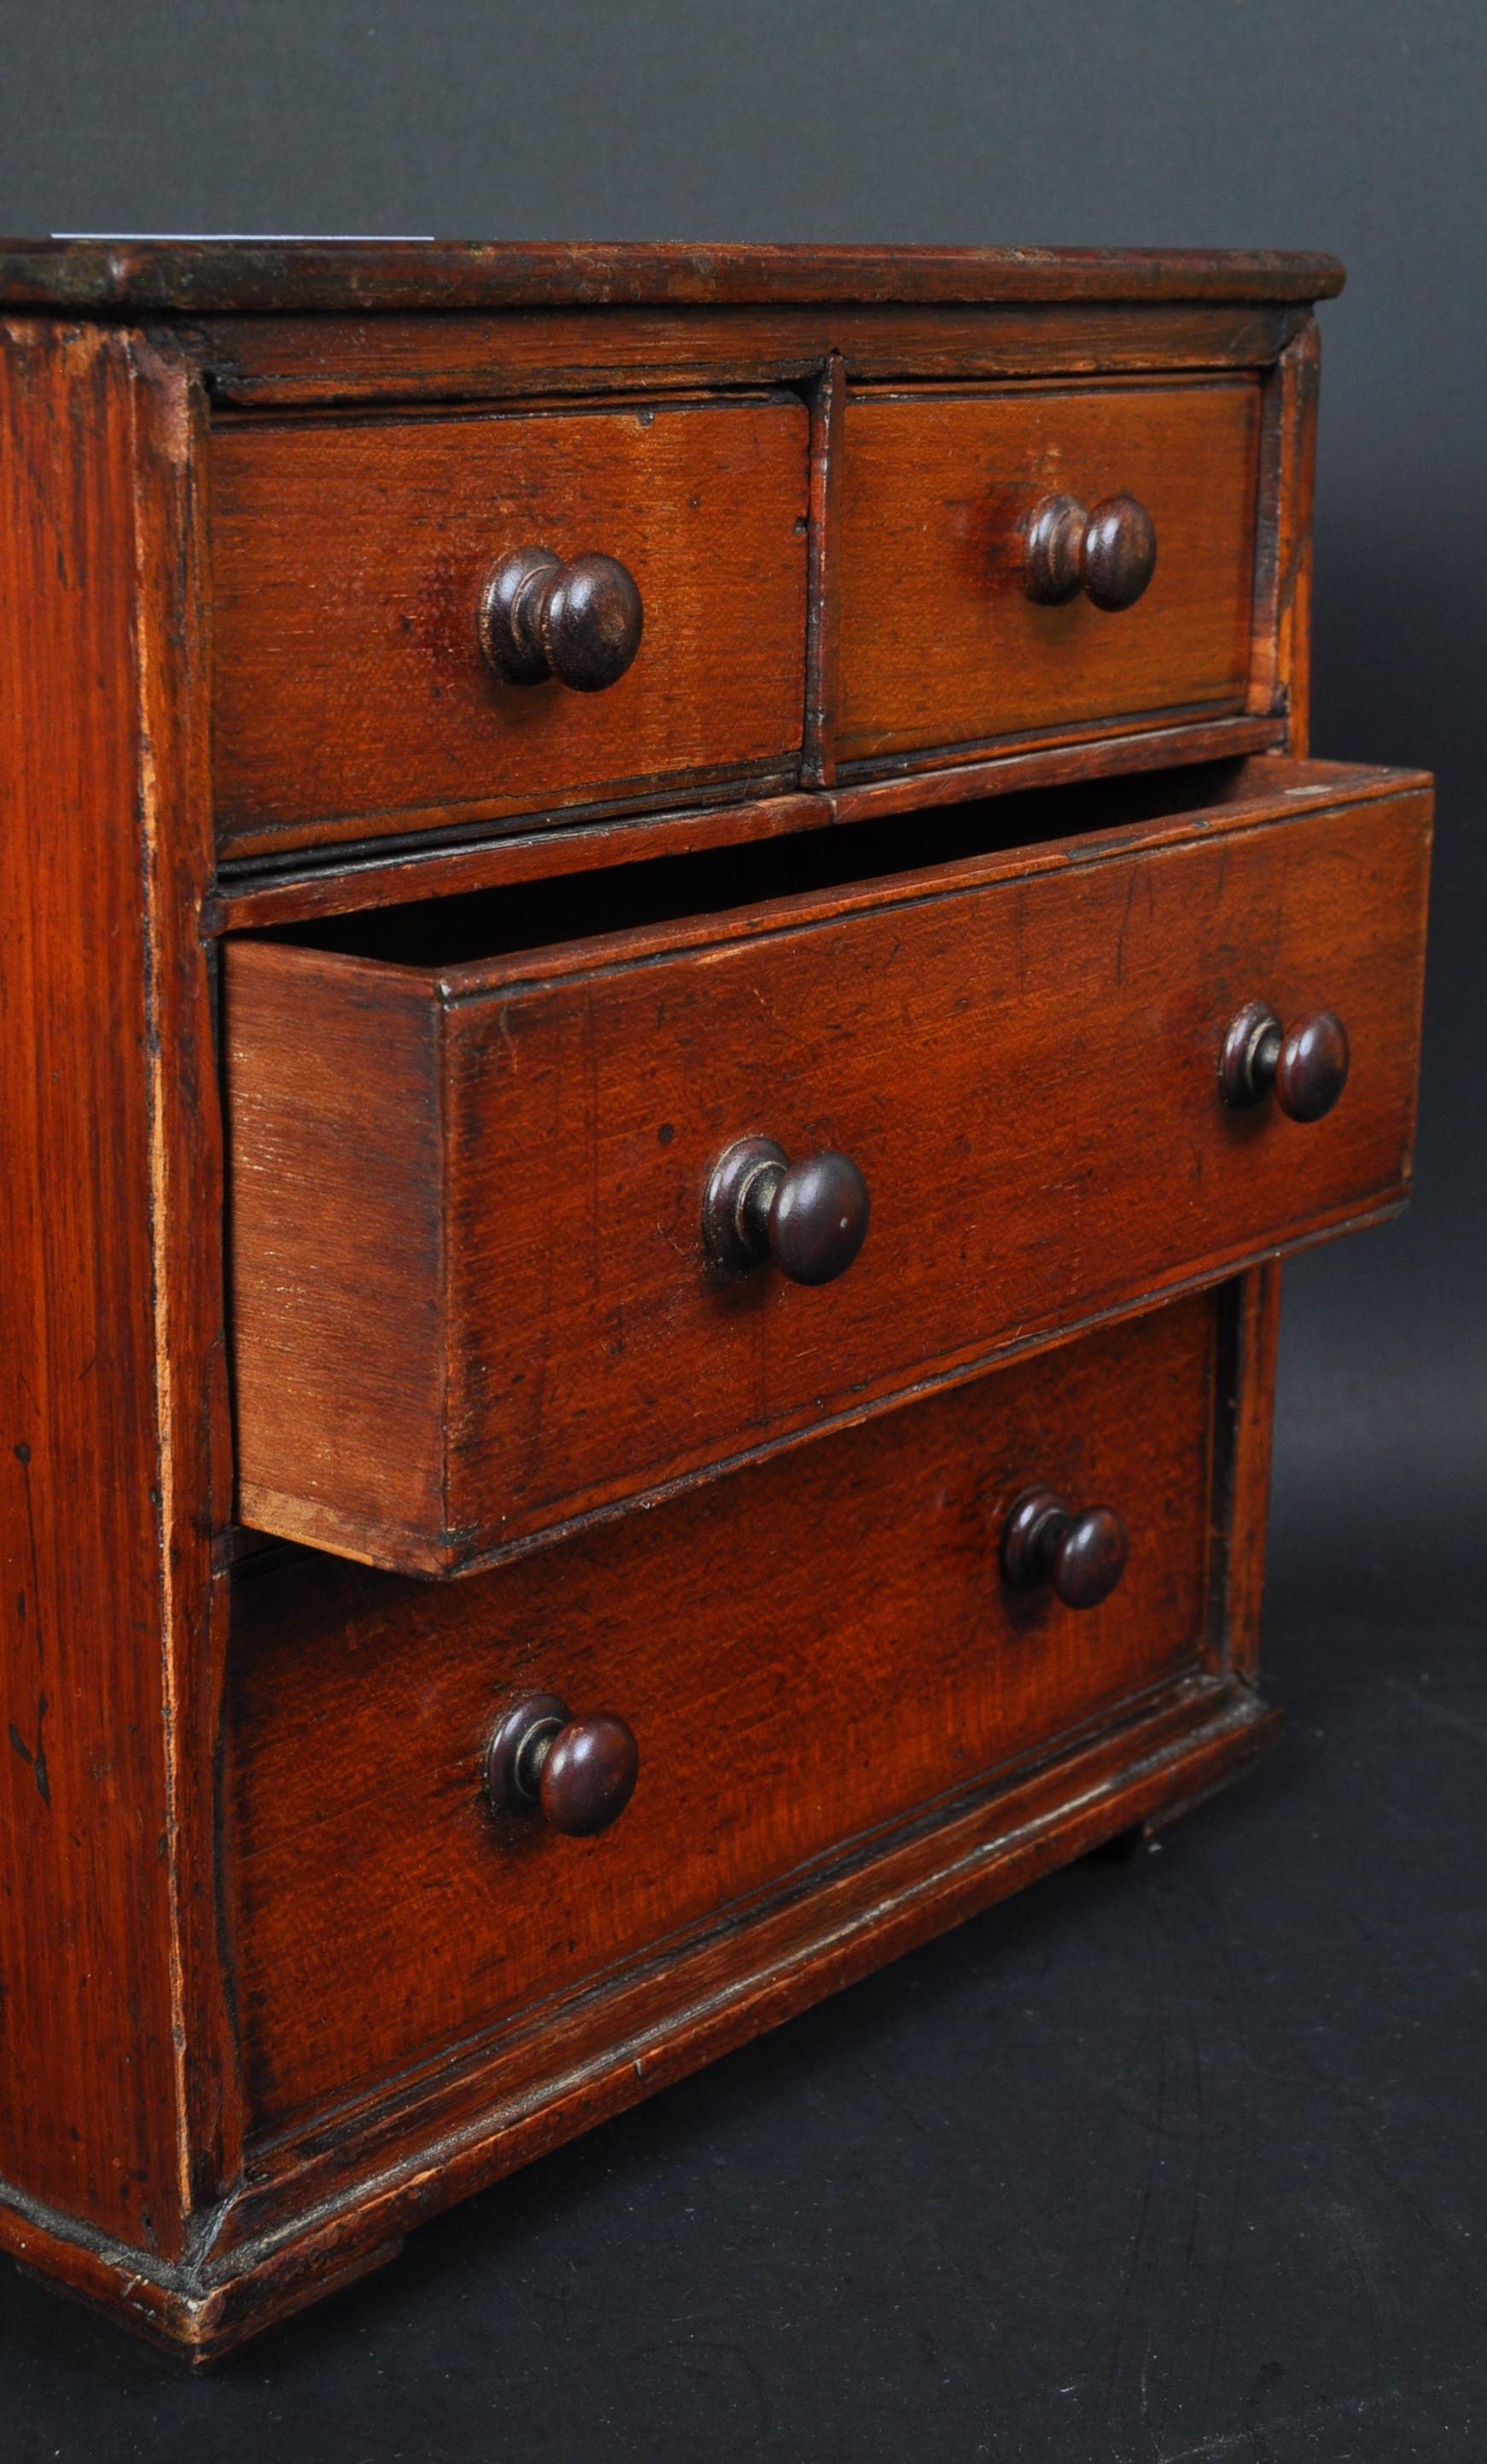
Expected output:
(335, 1220)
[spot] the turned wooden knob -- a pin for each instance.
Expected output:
(811, 1218)
(1082, 1555)
(580, 622)
(581, 1773)
(1109, 554)
(1306, 1070)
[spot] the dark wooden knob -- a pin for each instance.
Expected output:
(1082, 1555)
(581, 1773)
(810, 1217)
(580, 622)
(1109, 554)
(1306, 1070)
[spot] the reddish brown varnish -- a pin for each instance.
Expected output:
(141, 277)
(351, 690)
(276, 1980)
(440, 1351)
(111, 1473)
(810, 1656)
(941, 644)
(299, 359)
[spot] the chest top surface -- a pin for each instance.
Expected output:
(138, 277)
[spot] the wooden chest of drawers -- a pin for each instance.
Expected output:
(680, 974)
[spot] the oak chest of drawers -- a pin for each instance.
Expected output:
(673, 974)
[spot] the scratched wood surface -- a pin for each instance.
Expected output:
(106, 1471)
(328, 2199)
(255, 361)
(135, 277)
(441, 1352)
(351, 693)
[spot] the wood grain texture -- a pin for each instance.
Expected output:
(923, 784)
(351, 694)
(406, 2148)
(791, 1695)
(273, 1985)
(1242, 1501)
(940, 642)
(369, 1149)
(379, 877)
(1281, 674)
(818, 754)
(111, 1303)
(316, 2212)
(1280, 681)
(195, 1469)
(191, 2310)
(140, 278)
(1023, 1062)
(466, 357)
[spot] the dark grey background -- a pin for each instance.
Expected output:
(1182, 2160)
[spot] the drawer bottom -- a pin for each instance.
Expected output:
(315, 2212)
(815, 1657)
(854, 1730)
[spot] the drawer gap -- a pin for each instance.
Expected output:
(501, 922)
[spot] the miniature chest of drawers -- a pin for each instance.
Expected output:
(672, 975)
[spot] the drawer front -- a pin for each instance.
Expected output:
(352, 696)
(809, 1655)
(941, 643)
(470, 1299)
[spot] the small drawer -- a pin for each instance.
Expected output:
(354, 694)
(485, 1279)
(808, 1658)
(957, 508)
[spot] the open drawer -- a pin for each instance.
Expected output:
(472, 1142)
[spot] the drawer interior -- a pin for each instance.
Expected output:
(461, 930)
